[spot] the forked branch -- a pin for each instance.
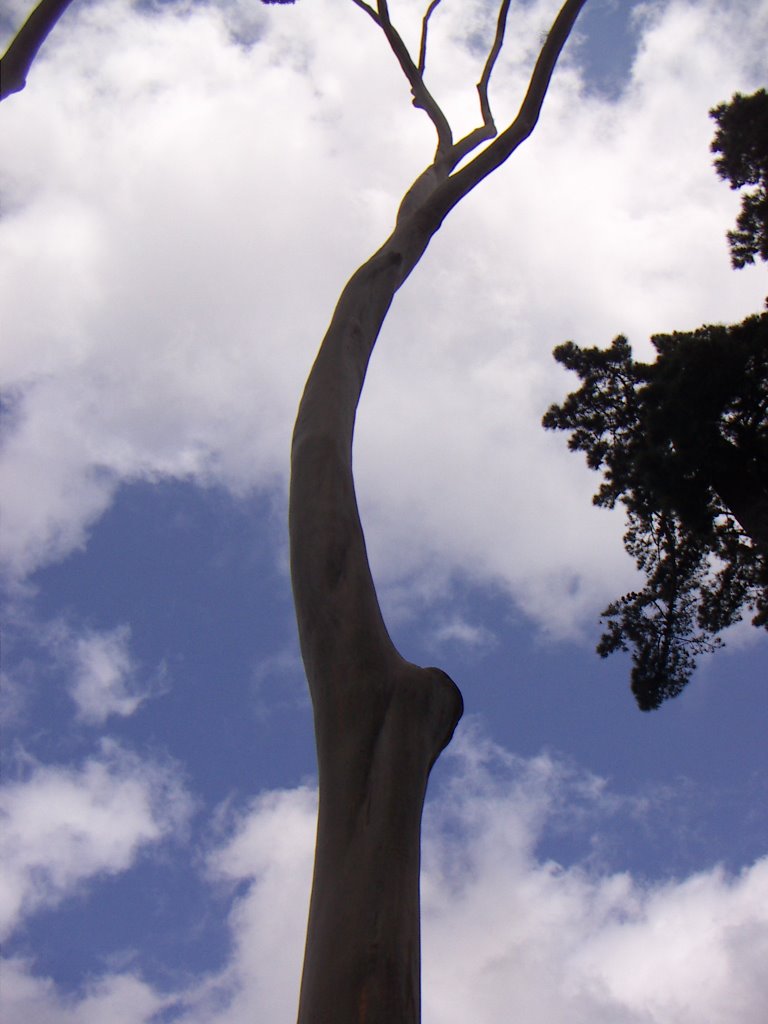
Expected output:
(487, 130)
(422, 97)
(461, 182)
(449, 153)
(368, 10)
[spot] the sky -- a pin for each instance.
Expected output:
(184, 189)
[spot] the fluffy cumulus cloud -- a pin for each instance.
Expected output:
(63, 826)
(97, 668)
(188, 189)
(507, 932)
(510, 934)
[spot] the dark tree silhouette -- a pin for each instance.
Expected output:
(683, 445)
(17, 59)
(742, 142)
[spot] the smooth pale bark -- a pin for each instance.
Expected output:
(380, 721)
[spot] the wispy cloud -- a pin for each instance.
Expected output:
(106, 679)
(458, 630)
(63, 826)
(97, 668)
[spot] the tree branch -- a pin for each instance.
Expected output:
(447, 159)
(454, 188)
(422, 98)
(368, 10)
(423, 44)
(17, 59)
(487, 129)
(498, 42)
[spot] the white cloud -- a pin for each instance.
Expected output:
(694, 946)
(507, 933)
(272, 848)
(105, 681)
(190, 207)
(97, 667)
(119, 999)
(458, 630)
(63, 826)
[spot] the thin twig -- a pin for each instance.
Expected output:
(487, 129)
(423, 44)
(368, 10)
(485, 162)
(422, 97)
(498, 42)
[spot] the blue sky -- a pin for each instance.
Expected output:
(179, 212)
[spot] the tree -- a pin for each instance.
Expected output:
(380, 721)
(683, 445)
(742, 141)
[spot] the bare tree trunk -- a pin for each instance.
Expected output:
(380, 721)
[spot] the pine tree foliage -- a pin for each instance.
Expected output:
(682, 444)
(742, 142)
